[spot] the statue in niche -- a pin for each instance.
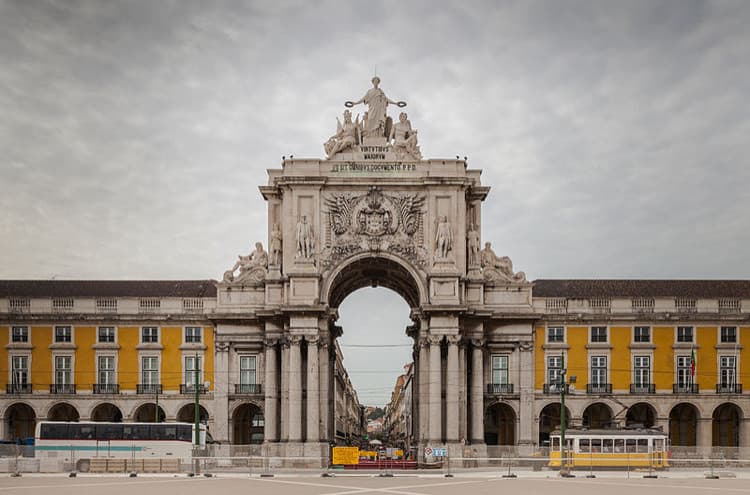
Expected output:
(305, 242)
(405, 138)
(473, 242)
(499, 268)
(252, 268)
(377, 122)
(347, 135)
(443, 237)
(275, 245)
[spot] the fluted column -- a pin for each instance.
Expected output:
(325, 392)
(435, 377)
(313, 390)
(423, 398)
(451, 390)
(477, 391)
(271, 414)
(295, 389)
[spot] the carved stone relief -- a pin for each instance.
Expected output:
(498, 268)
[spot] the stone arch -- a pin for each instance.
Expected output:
(549, 420)
(683, 425)
(597, 415)
(368, 270)
(248, 424)
(186, 414)
(146, 413)
(20, 421)
(500, 424)
(106, 411)
(641, 414)
(725, 425)
(62, 411)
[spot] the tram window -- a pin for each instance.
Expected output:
(630, 445)
(164, 432)
(135, 432)
(584, 445)
(184, 433)
(54, 430)
(619, 445)
(556, 444)
(607, 445)
(658, 445)
(643, 446)
(82, 432)
(109, 432)
(596, 445)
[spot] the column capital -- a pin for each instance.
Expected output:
(221, 346)
(421, 342)
(270, 342)
(312, 339)
(478, 342)
(453, 339)
(434, 339)
(525, 346)
(294, 339)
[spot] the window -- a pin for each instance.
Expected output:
(19, 366)
(106, 371)
(598, 334)
(63, 370)
(499, 370)
(192, 363)
(642, 334)
(20, 334)
(258, 421)
(684, 372)
(555, 334)
(598, 370)
(150, 335)
(728, 335)
(727, 371)
(641, 371)
(150, 370)
(248, 370)
(554, 369)
(685, 334)
(193, 335)
(63, 334)
(106, 335)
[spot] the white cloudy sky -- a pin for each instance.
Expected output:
(614, 134)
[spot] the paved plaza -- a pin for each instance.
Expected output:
(684, 483)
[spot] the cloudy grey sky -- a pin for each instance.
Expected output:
(614, 134)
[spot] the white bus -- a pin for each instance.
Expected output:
(86, 440)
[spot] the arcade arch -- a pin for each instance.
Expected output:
(500, 425)
(683, 423)
(725, 424)
(20, 421)
(146, 413)
(640, 414)
(63, 411)
(597, 415)
(549, 420)
(186, 414)
(248, 424)
(106, 412)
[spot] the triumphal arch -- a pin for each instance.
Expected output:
(375, 212)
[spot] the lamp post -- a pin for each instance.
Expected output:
(197, 416)
(562, 385)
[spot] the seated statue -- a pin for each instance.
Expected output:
(347, 136)
(498, 268)
(405, 138)
(252, 267)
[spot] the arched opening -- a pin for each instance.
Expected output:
(500, 425)
(640, 415)
(597, 415)
(146, 413)
(248, 424)
(726, 426)
(106, 412)
(20, 422)
(549, 420)
(186, 414)
(63, 412)
(683, 420)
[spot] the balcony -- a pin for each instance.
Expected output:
(554, 388)
(599, 388)
(18, 388)
(62, 388)
(642, 388)
(248, 388)
(189, 389)
(106, 388)
(728, 388)
(499, 388)
(150, 388)
(685, 388)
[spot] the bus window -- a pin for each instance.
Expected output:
(135, 432)
(596, 445)
(164, 432)
(555, 444)
(619, 446)
(607, 445)
(584, 445)
(643, 446)
(630, 445)
(81, 432)
(54, 431)
(109, 432)
(184, 433)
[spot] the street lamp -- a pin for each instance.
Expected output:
(562, 385)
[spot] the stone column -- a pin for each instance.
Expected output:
(451, 390)
(295, 389)
(271, 414)
(526, 393)
(424, 391)
(284, 416)
(325, 393)
(220, 429)
(477, 391)
(313, 389)
(704, 434)
(744, 437)
(435, 377)
(462, 385)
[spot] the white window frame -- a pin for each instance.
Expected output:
(649, 370)
(142, 335)
(635, 334)
(562, 332)
(591, 334)
(500, 369)
(57, 355)
(242, 370)
(141, 369)
(677, 334)
(736, 335)
(13, 355)
(688, 370)
(72, 334)
(185, 335)
(191, 373)
(597, 357)
(98, 358)
(114, 334)
(722, 367)
(28, 334)
(548, 368)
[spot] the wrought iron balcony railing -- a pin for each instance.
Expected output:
(18, 388)
(554, 388)
(106, 388)
(728, 388)
(499, 388)
(149, 388)
(685, 388)
(190, 389)
(248, 388)
(642, 388)
(62, 388)
(599, 388)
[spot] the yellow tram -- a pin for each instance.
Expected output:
(611, 448)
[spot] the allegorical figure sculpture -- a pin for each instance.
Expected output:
(252, 268)
(275, 245)
(405, 138)
(347, 135)
(472, 240)
(377, 103)
(499, 267)
(443, 237)
(304, 238)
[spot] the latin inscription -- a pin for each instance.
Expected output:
(374, 167)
